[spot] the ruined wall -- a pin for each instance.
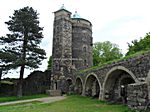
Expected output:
(37, 83)
(7, 89)
(138, 65)
(137, 96)
(131, 72)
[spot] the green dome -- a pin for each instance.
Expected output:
(76, 15)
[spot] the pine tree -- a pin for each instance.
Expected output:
(22, 45)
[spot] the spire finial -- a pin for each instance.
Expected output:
(75, 10)
(63, 6)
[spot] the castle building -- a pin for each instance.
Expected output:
(72, 46)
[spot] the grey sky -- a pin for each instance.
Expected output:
(118, 21)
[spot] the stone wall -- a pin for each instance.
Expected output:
(37, 83)
(132, 71)
(7, 89)
(137, 96)
(138, 65)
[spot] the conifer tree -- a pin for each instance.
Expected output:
(22, 45)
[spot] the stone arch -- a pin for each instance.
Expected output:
(92, 86)
(84, 48)
(79, 85)
(116, 82)
(69, 80)
(69, 85)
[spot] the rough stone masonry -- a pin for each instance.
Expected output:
(126, 81)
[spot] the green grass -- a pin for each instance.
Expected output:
(14, 98)
(71, 104)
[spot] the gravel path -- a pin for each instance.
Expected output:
(44, 100)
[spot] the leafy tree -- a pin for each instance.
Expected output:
(142, 45)
(49, 63)
(104, 52)
(21, 46)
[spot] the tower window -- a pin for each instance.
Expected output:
(84, 49)
(56, 66)
(84, 62)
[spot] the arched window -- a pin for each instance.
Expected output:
(56, 65)
(84, 62)
(84, 49)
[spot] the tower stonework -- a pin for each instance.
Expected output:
(72, 47)
(81, 43)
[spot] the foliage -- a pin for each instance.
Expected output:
(21, 46)
(71, 104)
(49, 63)
(104, 52)
(5, 61)
(142, 45)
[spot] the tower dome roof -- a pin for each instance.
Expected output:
(76, 15)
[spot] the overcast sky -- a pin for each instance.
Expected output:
(118, 21)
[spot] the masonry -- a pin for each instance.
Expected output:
(72, 47)
(126, 81)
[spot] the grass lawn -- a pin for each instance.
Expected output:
(71, 104)
(14, 98)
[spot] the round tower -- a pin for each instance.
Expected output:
(81, 42)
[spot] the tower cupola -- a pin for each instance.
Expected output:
(76, 15)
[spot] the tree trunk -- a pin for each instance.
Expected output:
(20, 84)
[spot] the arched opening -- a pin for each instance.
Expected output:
(78, 86)
(55, 85)
(69, 86)
(92, 87)
(116, 85)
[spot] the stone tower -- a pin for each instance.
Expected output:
(72, 47)
(81, 42)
